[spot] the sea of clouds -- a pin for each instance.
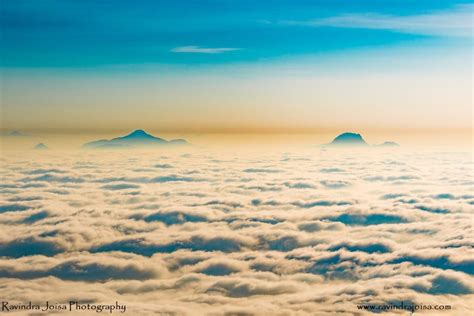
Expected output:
(199, 232)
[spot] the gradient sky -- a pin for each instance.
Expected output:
(236, 64)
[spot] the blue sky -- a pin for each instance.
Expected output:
(238, 63)
(67, 33)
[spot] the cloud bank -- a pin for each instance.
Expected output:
(213, 233)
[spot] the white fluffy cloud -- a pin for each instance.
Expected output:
(311, 232)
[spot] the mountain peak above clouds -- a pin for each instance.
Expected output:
(137, 138)
(350, 139)
(40, 146)
(139, 133)
(13, 133)
(388, 144)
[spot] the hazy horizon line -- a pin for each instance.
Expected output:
(243, 130)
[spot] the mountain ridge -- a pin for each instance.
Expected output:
(137, 138)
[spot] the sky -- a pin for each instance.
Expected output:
(239, 66)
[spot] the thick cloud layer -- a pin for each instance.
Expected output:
(211, 233)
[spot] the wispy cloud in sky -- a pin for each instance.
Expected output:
(456, 22)
(203, 50)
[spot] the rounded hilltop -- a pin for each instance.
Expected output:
(388, 144)
(350, 139)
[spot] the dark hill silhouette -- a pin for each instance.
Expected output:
(137, 138)
(349, 139)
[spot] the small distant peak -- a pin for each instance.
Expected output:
(178, 142)
(40, 146)
(388, 144)
(14, 133)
